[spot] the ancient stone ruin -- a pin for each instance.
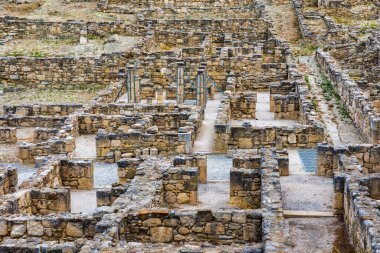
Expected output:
(197, 126)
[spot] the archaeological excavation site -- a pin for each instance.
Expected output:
(189, 126)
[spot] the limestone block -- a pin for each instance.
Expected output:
(18, 230)
(35, 228)
(161, 234)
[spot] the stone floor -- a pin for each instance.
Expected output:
(105, 174)
(218, 167)
(204, 142)
(83, 201)
(264, 117)
(85, 147)
(318, 235)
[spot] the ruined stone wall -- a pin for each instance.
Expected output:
(91, 123)
(199, 161)
(42, 110)
(286, 107)
(328, 158)
(181, 186)
(35, 29)
(77, 174)
(127, 168)
(243, 105)
(245, 187)
(48, 175)
(115, 109)
(29, 151)
(282, 88)
(68, 227)
(179, 38)
(60, 72)
(302, 25)
(32, 121)
(175, 3)
(111, 145)
(106, 196)
(8, 135)
(361, 111)
(8, 181)
(257, 27)
(36, 201)
(44, 134)
(253, 137)
(260, 78)
(354, 196)
(220, 227)
(271, 202)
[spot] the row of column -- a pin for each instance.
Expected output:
(201, 80)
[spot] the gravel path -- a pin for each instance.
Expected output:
(205, 139)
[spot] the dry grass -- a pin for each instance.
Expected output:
(49, 96)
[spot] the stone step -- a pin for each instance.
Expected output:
(307, 214)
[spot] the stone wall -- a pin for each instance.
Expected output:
(35, 29)
(286, 107)
(181, 186)
(77, 174)
(36, 201)
(219, 227)
(32, 121)
(48, 175)
(113, 145)
(356, 196)
(178, 4)
(29, 151)
(91, 123)
(67, 227)
(199, 161)
(328, 157)
(245, 185)
(237, 137)
(42, 110)
(360, 109)
(8, 135)
(44, 134)
(8, 181)
(127, 168)
(106, 197)
(243, 105)
(303, 27)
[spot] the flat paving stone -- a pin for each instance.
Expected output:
(105, 174)
(218, 167)
(83, 201)
(309, 159)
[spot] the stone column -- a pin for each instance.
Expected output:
(180, 83)
(160, 97)
(200, 88)
(133, 86)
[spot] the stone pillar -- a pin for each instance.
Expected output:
(83, 35)
(202, 168)
(160, 96)
(180, 83)
(201, 88)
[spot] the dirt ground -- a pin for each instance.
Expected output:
(318, 235)
(58, 10)
(48, 96)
